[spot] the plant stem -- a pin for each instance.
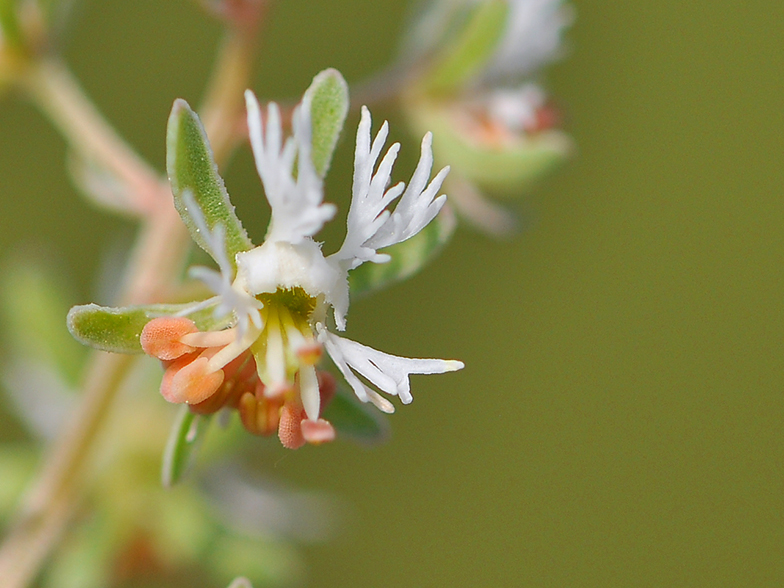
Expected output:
(224, 104)
(154, 269)
(49, 504)
(59, 96)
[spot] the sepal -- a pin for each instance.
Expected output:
(185, 438)
(469, 47)
(406, 258)
(328, 100)
(117, 330)
(357, 421)
(504, 168)
(194, 178)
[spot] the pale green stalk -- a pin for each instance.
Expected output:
(158, 257)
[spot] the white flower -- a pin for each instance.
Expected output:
(531, 40)
(282, 290)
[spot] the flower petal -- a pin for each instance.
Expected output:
(297, 208)
(389, 373)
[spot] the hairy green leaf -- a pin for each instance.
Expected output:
(118, 329)
(508, 169)
(470, 48)
(194, 174)
(328, 99)
(408, 257)
(184, 440)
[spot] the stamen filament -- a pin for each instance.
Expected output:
(210, 338)
(234, 349)
(309, 391)
(276, 360)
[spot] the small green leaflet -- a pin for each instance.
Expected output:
(408, 257)
(117, 330)
(192, 170)
(328, 99)
(184, 441)
(470, 48)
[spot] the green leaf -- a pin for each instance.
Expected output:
(408, 257)
(118, 329)
(328, 99)
(184, 440)
(509, 171)
(192, 170)
(351, 418)
(470, 48)
(100, 185)
(504, 169)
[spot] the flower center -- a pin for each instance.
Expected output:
(286, 350)
(296, 300)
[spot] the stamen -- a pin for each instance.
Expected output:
(234, 349)
(190, 381)
(290, 427)
(276, 361)
(162, 337)
(248, 407)
(210, 338)
(327, 387)
(309, 391)
(317, 432)
(294, 335)
(239, 376)
(309, 353)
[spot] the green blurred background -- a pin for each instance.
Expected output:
(619, 419)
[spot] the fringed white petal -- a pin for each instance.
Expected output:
(370, 225)
(418, 205)
(298, 211)
(389, 373)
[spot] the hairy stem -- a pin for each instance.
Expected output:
(55, 91)
(224, 105)
(154, 269)
(49, 504)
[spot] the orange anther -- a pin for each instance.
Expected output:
(290, 427)
(190, 380)
(317, 432)
(310, 354)
(161, 337)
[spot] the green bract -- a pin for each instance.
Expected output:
(328, 96)
(118, 329)
(408, 257)
(469, 48)
(184, 440)
(192, 170)
(507, 169)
